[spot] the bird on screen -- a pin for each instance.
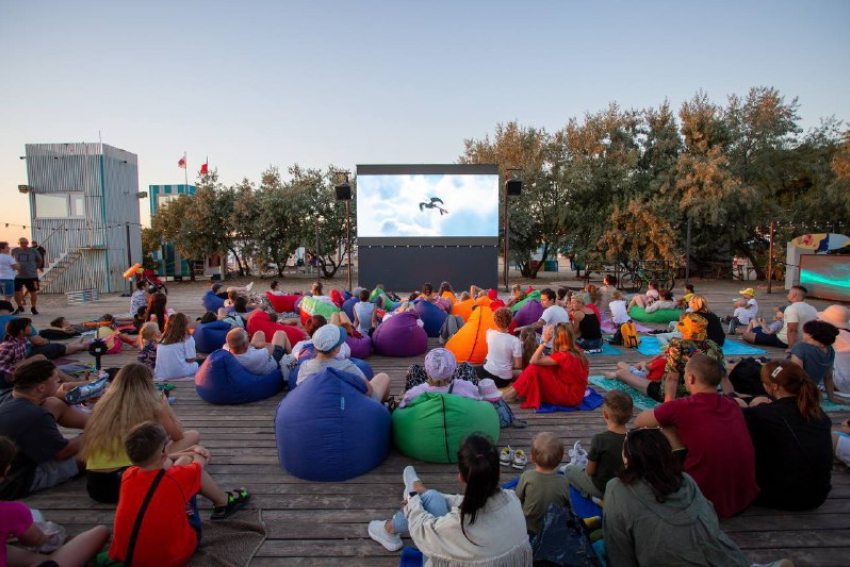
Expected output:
(432, 204)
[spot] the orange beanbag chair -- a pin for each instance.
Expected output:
(450, 296)
(469, 344)
(463, 308)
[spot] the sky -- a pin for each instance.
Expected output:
(254, 84)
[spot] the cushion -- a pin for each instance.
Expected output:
(221, 379)
(311, 306)
(431, 315)
(432, 426)
(283, 303)
(360, 347)
(534, 295)
(329, 430)
(660, 316)
(469, 344)
(211, 302)
(261, 321)
(400, 335)
(528, 313)
(211, 336)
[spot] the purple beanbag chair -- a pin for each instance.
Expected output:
(432, 316)
(360, 348)
(400, 335)
(529, 313)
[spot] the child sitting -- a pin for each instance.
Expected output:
(682, 302)
(148, 336)
(605, 459)
(539, 488)
(746, 309)
(139, 318)
(139, 297)
(365, 315)
(173, 529)
(440, 376)
(617, 306)
(528, 337)
(108, 331)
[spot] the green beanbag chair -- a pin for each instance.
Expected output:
(389, 304)
(432, 426)
(519, 304)
(310, 306)
(660, 316)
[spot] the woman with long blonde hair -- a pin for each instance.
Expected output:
(559, 379)
(130, 400)
(176, 356)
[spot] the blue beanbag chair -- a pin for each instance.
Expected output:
(212, 302)
(310, 352)
(432, 316)
(221, 379)
(348, 307)
(328, 430)
(400, 335)
(210, 337)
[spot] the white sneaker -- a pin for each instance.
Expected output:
(578, 456)
(377, 531)
(409, 475)
(506, 457)
(249, 287)
(520, 460)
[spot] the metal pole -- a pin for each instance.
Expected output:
(688, 253)
(507, 262)
(129, 257)
(348, 240)
(770, 262)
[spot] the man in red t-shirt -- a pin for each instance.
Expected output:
(711, 429)
(171, 529)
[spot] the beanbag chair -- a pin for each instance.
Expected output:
(463, 308)
(311, 306)
(533, 295)
(262, 321)
(348, 307)
(221, 379)
(210, 337)
(310, 352)
(660, 316)
(337, 298)
(360, 348)
(432, 426)
(400, 335)
(469, 344)
(431, 315)
(528, 313)
(485, 301)
(283, 303)
(389, 304)
(329, 430)
(212, 302)
(450, 297)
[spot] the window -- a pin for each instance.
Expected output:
(60, 205)
(78, 205)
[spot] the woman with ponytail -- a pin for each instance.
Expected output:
(484, 527)
(559, 379)
(792, 440)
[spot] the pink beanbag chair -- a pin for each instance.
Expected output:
(283, 303)
(261, 321)
(360, 348)
(400, 335)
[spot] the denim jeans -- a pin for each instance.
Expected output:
(433, 502)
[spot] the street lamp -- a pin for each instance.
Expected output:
(513, 186)
(343, 193)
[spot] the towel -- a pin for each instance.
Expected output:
(591, 401)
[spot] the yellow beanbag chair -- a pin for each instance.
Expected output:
(469, 344)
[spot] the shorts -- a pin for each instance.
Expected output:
(53, 473)
(30, 283)
(764, 339)
(654, 391)
(104, 487)
(642, 373)
(8, 287)
(483, 374)
(842, 448)
(278, 352)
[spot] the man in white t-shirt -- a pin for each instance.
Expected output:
(257, 356)
(8, 271)
(797, 314)
(552, 314)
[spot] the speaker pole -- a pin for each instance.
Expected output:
(513, 186)
(348, 241)
(343, 193)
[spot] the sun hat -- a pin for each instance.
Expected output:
(837, 315)
(328, 337)
(749, 291)
(692, 326)
(488, 390)
(440, 364)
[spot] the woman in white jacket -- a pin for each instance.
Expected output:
(484, 526)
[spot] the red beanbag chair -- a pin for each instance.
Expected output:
(337, 298)
(400, 335)
(469, 344)
(261, 321)
(283, 303)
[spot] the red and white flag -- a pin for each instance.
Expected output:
(205, 168)
(182, 163)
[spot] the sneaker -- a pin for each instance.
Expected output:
(578, 456)
(506, 457)
(593, 351)
(87, 391)
(18, 311)
(520, 460)
(236, 500)
(249, 287)
(409, 475)
(34, 311)
(377, 531)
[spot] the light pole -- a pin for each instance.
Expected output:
(512, 187)
(343, 193)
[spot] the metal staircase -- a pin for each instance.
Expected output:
(57, 268)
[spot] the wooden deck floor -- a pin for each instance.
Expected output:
(316, 523)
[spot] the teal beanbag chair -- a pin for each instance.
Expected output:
(432, 426)
(660, 316)
(519, 304)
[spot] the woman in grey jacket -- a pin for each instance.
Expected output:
(656, 515)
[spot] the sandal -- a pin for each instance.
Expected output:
(236, 500)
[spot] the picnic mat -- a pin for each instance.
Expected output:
(608, 326)
(591, 401)
(232, 542)
(606, 349)
(584, 507)
(649, 346)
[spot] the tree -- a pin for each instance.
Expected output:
(245, 210)
(637, 233)
(151, 242)
(279, 221)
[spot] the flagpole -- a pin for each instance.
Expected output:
(186, 171)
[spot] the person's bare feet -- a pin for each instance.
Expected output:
(510, 396)
(610, 375)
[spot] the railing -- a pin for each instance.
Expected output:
(63, 231)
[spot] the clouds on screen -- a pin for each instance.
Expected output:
(388, 205)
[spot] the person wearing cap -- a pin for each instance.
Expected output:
(28, 260)
(327, 341)
(839, 317)
(746, 309)
(440, 366)
(693, 341)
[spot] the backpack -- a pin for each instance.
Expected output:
(746, 377)
(628, 334)
(562, 540)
